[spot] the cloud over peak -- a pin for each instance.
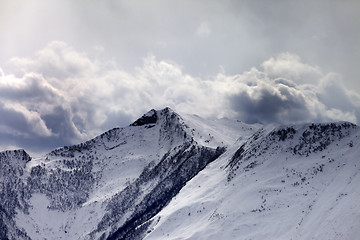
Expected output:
(289, 66)
(62, 96)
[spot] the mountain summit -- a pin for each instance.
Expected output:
(167, 176)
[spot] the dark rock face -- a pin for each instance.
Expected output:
(150, 117)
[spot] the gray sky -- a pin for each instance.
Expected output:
(72, 69)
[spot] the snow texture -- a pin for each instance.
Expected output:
(168, 176)
(293, 182)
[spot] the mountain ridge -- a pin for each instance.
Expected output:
(116, 185)
(266, 190)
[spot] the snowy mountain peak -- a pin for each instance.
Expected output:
(113, 177)
(122, 184)
(152, 116)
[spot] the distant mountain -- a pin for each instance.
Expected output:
(168, 176)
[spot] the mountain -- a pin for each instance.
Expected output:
(110, 185)
(291, 182)
(168, 176)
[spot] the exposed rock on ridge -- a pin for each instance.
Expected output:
(120, 184)
(126, 174)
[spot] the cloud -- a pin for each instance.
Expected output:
(289, 66)
(56, 60)
(62, 96)
(204, 29)
(289, 91)
(270, 101)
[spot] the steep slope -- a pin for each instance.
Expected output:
(295, 182)
(168, 176)
(13, 196)
(110, 186)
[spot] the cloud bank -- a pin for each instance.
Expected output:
(61, 96)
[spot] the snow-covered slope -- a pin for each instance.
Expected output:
(168, 176)
(291, 182)
(110, 186)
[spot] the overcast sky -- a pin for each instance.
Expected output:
(70, 70)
